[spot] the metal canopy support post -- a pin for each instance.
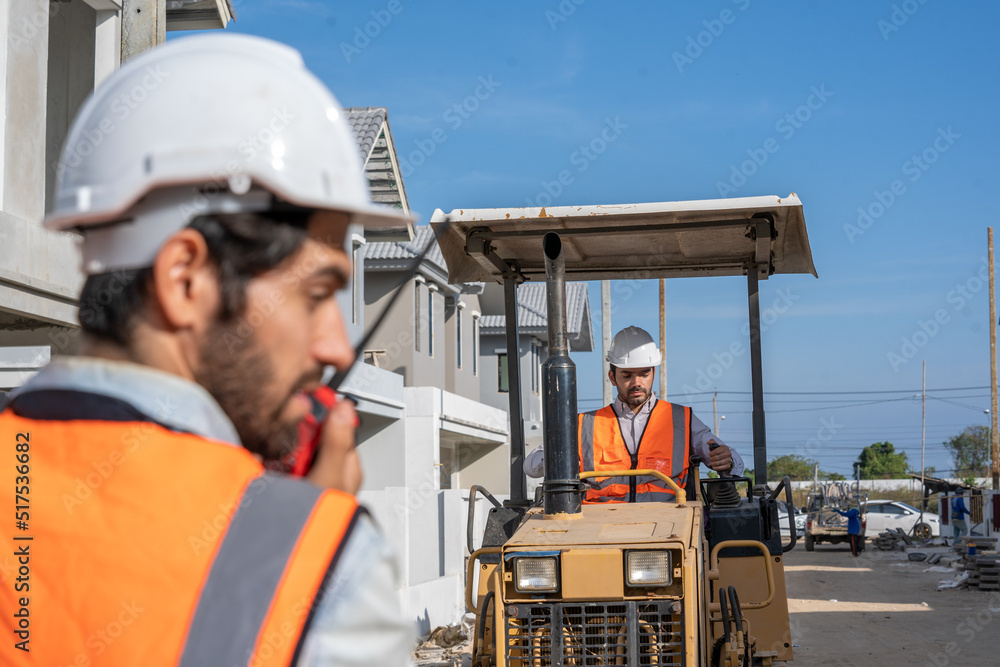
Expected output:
(756, 374)
(605, 338)
(518, 492)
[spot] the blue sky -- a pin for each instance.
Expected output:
(887, 107)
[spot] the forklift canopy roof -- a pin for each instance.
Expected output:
(713, 237)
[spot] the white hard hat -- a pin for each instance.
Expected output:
(228, 117)
(633, 347)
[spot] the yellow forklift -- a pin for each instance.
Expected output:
(560, 582)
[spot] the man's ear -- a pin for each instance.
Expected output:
(611, 375)
(184, 281)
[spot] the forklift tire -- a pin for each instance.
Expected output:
(809, 542)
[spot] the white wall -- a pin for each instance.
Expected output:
(38, 270)
(891, 484)
(426, 524)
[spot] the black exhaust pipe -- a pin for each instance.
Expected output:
(562, 488)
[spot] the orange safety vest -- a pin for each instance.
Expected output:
(664, 445)
(144, 546)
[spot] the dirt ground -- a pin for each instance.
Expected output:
(881, 609)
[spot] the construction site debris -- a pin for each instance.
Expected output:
(446, 646)
(892, 540)
(979, 570)
(955, 583)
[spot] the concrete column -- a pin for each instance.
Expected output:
(24, 99)
(108, 44)
(422, 453)
(144, 25)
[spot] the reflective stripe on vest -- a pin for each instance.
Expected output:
(664, 445)
(156, 547)
(278, 509)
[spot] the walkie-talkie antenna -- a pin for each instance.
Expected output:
(341, 375)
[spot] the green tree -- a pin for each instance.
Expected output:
(970, 451)
(835, 477)
(796, 467)
(881, 461)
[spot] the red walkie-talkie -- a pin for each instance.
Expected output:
(300, 460)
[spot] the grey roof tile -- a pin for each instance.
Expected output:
(398, 250)
(531, 310)
(531, 305)
(367, 124)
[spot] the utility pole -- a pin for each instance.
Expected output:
(715, 415)
(923, 432)
(994, 435)
(605, 338)
(663, 338)
(144, 25)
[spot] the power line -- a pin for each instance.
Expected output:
(962, 405)
(855, 391)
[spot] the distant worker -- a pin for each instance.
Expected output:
(853, 529)
(959, 511)
(212, 217)
(639, 431)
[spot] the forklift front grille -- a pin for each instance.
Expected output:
(578, 635)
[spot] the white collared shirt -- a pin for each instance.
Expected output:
(633, 425)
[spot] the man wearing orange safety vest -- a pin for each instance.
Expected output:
(153, 529)
(639, 431)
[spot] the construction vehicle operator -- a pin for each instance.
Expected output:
(212, 217)
(640, 431)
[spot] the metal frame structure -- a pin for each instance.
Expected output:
(751, 236)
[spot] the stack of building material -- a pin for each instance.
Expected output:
(890, 540)
(982, 544)
(984, 572)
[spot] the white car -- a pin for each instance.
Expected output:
(891, 514)
(800, 520)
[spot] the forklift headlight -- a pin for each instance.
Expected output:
(648, 568)
(536, 575)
